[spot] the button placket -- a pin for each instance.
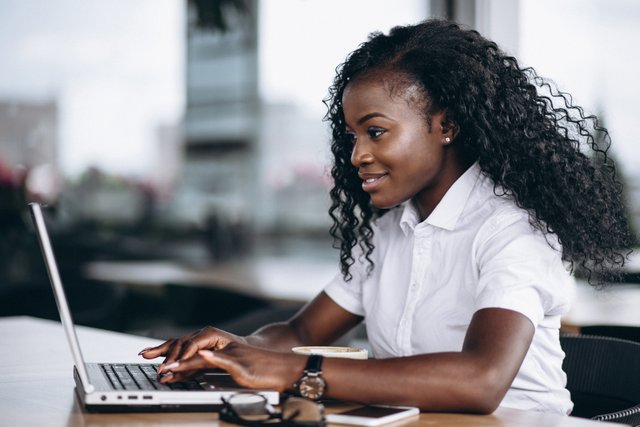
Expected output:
(421, 253)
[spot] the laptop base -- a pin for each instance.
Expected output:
(123, 408)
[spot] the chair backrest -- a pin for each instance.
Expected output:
(629, 333)
(603, 373)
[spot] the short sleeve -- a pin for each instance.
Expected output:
(348, 294)
(519, 270)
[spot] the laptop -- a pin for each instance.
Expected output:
(127, 387)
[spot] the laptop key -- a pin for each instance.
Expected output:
(149, 369)
(186, 385)
(151, 373)
(158, 385)
(140, 378)
(125, 378)
(113, 379)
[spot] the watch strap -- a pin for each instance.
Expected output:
(314, 363)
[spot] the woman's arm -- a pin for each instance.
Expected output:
(321, 321)
(472, 380)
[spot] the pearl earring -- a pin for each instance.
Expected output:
(447, 140)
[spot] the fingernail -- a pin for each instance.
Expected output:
(166, 378)
(171, 366)
(144, 350)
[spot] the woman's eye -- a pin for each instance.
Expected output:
(375, 132)
(351, 138)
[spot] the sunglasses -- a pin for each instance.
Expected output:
(253, 410)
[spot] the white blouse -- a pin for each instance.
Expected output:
(476, 250)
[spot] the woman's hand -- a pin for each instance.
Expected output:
(177, 349)
(249, 366)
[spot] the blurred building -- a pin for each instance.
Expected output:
(28, 151)
(169, 160)
(28, 132)
(248, 164)
(221, 119)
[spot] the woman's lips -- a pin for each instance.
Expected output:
(370, 182)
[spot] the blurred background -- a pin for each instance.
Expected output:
(181, 150)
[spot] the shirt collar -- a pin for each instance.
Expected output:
(448, 211)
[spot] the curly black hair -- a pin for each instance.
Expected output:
(527, 136)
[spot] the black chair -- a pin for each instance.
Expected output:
(629, 333)
(603, 376)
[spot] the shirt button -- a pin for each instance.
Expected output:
(414, 286)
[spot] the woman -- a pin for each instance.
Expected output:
(462, 199)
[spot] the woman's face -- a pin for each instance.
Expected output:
(397, 156)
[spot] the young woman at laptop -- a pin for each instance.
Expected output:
(466, 189)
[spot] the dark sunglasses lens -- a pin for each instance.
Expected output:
(302, 411)
(251, 407)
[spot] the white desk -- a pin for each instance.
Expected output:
(36, 384)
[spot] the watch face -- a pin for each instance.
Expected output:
(311, 387)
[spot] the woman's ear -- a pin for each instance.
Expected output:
(448, 127)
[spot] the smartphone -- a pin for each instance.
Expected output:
(372, 415)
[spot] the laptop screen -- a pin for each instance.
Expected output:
(58, 291)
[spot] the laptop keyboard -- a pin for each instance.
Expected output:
(142, 377)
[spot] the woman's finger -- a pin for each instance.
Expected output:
(206, 338)
(160, 350)
(174, 377)
(211, 338)
(203, 339)
(184, 366)
(176, 350)
(189, 345)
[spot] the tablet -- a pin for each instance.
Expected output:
(372, 415)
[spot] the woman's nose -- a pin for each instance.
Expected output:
(361, 154)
